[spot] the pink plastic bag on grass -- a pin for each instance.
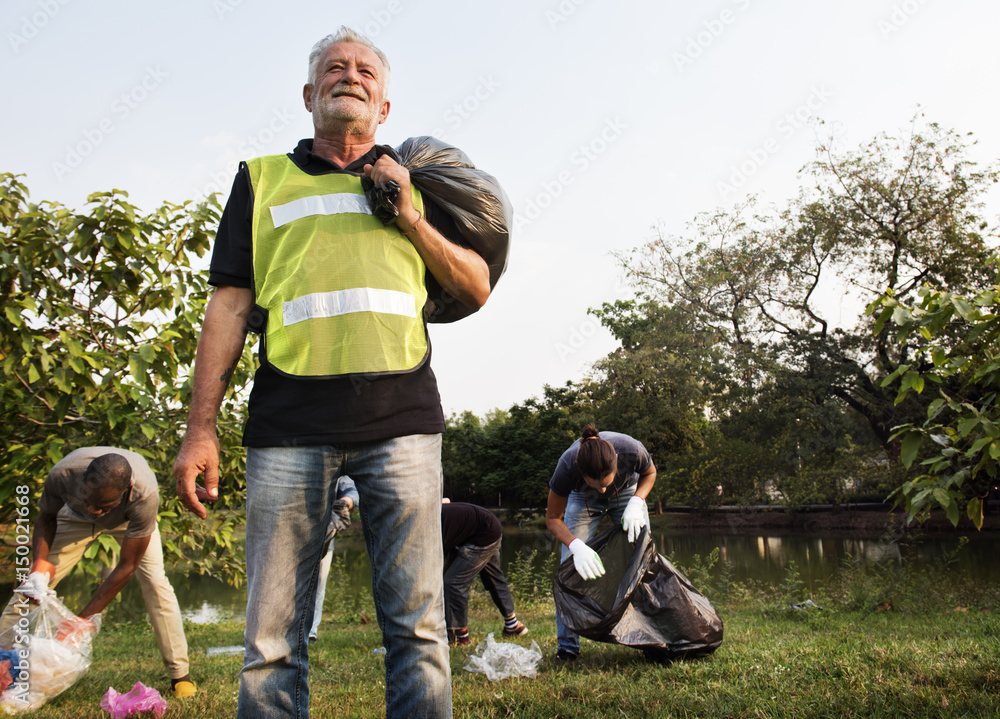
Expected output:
(140, 699)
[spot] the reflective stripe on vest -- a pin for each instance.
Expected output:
(343, 292)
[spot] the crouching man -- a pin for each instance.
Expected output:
(104, 490)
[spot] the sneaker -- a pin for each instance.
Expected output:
(460, 641)
(518, 631)
(564, 656)
(184, 689)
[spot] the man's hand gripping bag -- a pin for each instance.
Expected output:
(474, 200)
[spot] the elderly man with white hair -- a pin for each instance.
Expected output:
(344, 385)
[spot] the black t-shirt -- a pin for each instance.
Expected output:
(463, 523)
(292, 411)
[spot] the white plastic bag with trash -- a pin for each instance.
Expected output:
(51, 646)
(499, 660)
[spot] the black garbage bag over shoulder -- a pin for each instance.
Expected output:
(642, 601)
(474, 200)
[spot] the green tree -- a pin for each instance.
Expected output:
(656, 385)
(724, 471)
(459, 457)
(102, 310)
(771, 285)
(818, 451)
(952, 341)
(508, 459)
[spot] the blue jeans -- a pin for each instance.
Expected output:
(468, 561)
(290, 492)
(583, 520)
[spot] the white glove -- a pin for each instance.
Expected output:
(36, 587)
(635, 517)
(587, 562)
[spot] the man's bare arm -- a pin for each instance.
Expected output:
(132, 551)
(44, 536)
(459, 270)
(220, 347)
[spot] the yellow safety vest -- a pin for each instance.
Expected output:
(344, 294)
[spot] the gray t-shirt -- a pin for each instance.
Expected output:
(64, 486)
(633, 460)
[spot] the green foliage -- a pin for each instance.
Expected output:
(725, 471)
(459, 453)
(743, 291)
(953, 340)
(102, 310)
(792, 589)
(885, 586)
(655, 387)
(508, 460)
(342, 601)
(102, 553)
(850, 475)
(700, 571)
(530, 578)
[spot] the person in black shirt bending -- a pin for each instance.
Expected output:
(472, 537)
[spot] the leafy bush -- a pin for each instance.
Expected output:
(530, 577)
(102, 312)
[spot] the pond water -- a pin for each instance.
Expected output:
(760, 557)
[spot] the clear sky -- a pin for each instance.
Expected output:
(601, 119)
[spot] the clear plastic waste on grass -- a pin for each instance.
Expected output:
(46, 665)
(807, 604)
(378, 650)
(499, 660)
(140, 699)
(225, 651)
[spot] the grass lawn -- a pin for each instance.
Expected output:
(888, 641)
(773, 663)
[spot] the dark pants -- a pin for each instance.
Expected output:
(465, 563)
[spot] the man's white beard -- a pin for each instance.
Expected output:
(337, 113)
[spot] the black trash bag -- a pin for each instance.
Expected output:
(473, 199)
(642, 601)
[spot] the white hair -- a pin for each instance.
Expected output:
(346, 34)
